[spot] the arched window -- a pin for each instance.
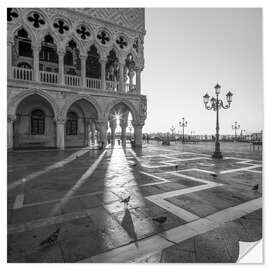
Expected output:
(72, 60)
(23, 44)
(37, 122)
(48, 52)
(93, 67)
(72, 123)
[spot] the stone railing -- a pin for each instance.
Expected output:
(112, 86)
(48, 77)
(93, 83)
(22, 74)
(130, 88)
(71, 80)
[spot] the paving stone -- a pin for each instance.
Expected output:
(96, 226)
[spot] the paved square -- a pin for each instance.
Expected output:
(209, 204)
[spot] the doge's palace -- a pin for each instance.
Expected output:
(70, 72)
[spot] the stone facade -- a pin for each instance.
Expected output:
(70, 71)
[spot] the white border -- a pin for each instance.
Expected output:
(138, 3)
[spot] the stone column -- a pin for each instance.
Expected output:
(9, 60)
(93, 130)
(36, 50)
(138, 81)
(87, 126)
(83, 58)
(102, 127)
(138, 133)
(10, 120)
(123, 125)
(103, 73)
(60, 133)
(113, 127)
(131, 76)
(61, 75)
(121, 79)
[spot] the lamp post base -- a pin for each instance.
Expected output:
(217, 155)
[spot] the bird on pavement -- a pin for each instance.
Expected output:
(126, 200)
(51, 239)
(256, 187)
(160, 220)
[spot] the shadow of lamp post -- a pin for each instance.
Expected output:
(216, 104)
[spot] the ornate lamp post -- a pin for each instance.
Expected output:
(215, 105)
(183, 124)
(172, 129)
(235, 127)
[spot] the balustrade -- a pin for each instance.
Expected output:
(48, 77)
(93, 83)
(71, 80)
(112, 86)
(22, 74)
(25, 74)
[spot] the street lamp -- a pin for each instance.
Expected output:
(183, 124)
(172, 130)
(216, 104)
(235, 127)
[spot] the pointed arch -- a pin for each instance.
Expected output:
(90, 99)
(114, 48)
(134, 55)
(46, 32)
(131, 107)
(16, 100)
(99, 48)
(29, 31)
(77, 41)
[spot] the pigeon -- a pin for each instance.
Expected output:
(160, 220)
(256, 187)
(213, 174)
(51, 238)
(126, 200)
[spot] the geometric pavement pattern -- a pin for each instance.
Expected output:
(196, 194)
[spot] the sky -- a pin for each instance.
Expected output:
(187, 51)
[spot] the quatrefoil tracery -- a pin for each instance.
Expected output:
(83, 32)
(103, 37)
(36, 20)
(61, 26)
(11, 14)
(121, 42)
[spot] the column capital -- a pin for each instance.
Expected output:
(83, 56)
(101, 124)
(103, 60)
(138, 124)
(10, 42)
(59, 120)
(36, 47)
(61, 52)
(11, 118)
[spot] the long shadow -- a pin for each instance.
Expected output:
(127, 224)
